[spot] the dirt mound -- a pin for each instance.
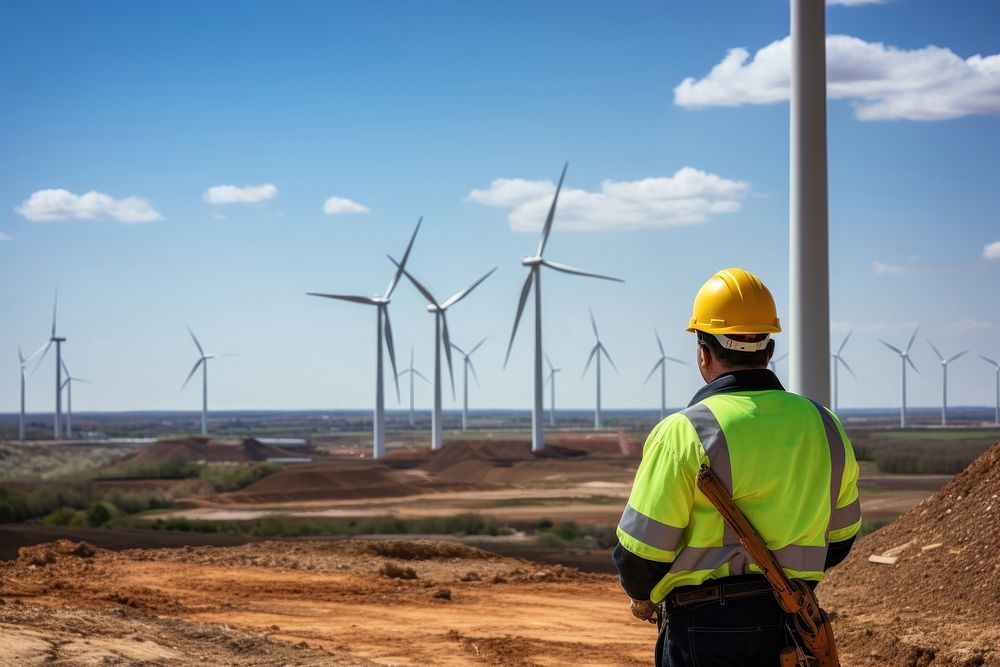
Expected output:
(207, 450)
(343, 480)
(477, 462)
(945, 570)
(423, 550)
(45, 554)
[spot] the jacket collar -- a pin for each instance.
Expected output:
(758, 379)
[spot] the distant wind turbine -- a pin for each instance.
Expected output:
(773, 363)
(411, 371)
(466, 367)
(944, 379)
(203, 362)
(382, 326)
(53, 338)
(550, 380)
(996, 370)
(596, 352)
(23, 364)
(904, 357)
(661, 363)
(68, 385)
(838, 360)
(534, 264)
(441, 336)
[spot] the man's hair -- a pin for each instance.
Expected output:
(730, 358)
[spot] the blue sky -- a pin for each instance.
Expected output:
(410, 109)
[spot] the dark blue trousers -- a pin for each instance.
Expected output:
(742, 632)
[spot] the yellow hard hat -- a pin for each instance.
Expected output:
(734, 301)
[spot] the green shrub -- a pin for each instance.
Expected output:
(60, 517)
(229, 478)
(98, 514)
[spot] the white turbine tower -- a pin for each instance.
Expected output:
(596, 352)
(550, 380)
(23, 364)
(441, 332)
(411, 371)
(203, 362)
(68, 385)
(535, 264)
(996, 370)
(466, 367)
(838, 360)
(904, 358)
(661, 363)
(944, 380)
(381, 325)
(53, 338)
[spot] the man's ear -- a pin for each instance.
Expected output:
(704, 356)
(770, 349)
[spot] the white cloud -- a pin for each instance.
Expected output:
(992, 250)
(57, 204)
(966, 326)
(234, 194)
(885, 83)
(6, 237)
(340, 205)
(689, 197)
(883, 269)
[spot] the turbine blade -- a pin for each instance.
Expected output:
(368, 301)
(891, 347)
(912, 338)
(960, 354)
(680, 361)
(195, 339)
(62, 362)
(547, 228)
(402, 264)
(517, 317)
(593, 324)
(197, 363)
(476, 377)
(781, 358)
(549, 362)
(20, 357)
(653, 369)
(464, 293)
(566, 268)
(935, 350)
(910, 362)
(420, 288)
(593, 351)
(55, 306)
(477, 346)
(421, 376)
(45, 351)
(607, 356)
(459, 350)
(659, 343)
(447, 351)
(992, 361)
(844, 342)
(841, 360)
(387, 327)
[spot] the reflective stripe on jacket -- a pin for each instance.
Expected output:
(791, 470)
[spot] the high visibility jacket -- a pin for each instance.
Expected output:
(788, 464)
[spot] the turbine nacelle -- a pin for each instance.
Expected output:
(532, 261)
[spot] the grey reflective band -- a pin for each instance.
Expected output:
(792, 557)
(844, 517)
(650, 531)
(837, 461)
(713, 441)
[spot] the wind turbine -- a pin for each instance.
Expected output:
(23, 364)
(466, 366)
(53, 338)
(596, 352)
(837, 361)
(551, 378)
(773, 363)
(440, 331)
(412, 372)
(996, 369)
(661, 363)
(944, 380)
(68, 385)
(904, 357)
(381, 325)
(535, 264)
(203, 362)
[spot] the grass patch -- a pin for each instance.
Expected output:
(926, 452)
(561, 500)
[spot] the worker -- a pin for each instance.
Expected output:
(788, 465)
